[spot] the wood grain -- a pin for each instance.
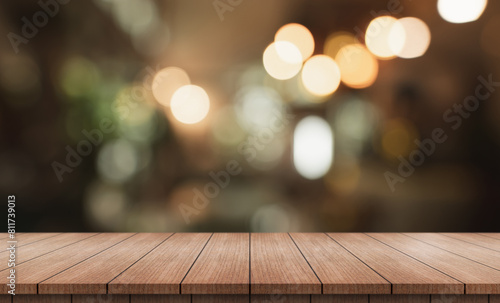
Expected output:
(407, 275)
(339, 271)
(5, 298)
(486, 242)
(25, 239)
(478, 279)
(220, 299)
(400, 299)
(160, 299)
(222, 268)
(494, 298)
(490, 235)
(339, 299)
(277, 266)
(93, 275)
(280, 298)
(32, 272)
(42, 246)
(479, 254)
(100, 299)
(162, 270)
(42, 299)
(459, 299)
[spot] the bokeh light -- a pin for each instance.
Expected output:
(358, 67)
(117, 161)
(321, 75)
(166, 82)
(256, 106)
(398, 138)
(417, 38)
(190, 104)
(377, 36)
(312, 147)
(299, 35)
(106, 205)
(461, 11)
(336, 41)
(282, 60)
(78, 77)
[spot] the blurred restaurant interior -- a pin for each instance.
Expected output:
(261, 116)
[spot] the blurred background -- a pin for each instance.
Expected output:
(238, 115)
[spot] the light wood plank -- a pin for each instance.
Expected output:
(280, 298)
(339, 299)
(459, 299)
(100, 299)
(491, 235)
(478, 279)
(400, 299)
(160, 299)
(485, 242)
(222, 268)
(42, 247)
(93, 275)
(32, 272)
(407, 275)
(339, 271)
(42, 299)
(277, 266)
(162, 270)
(29, 238)
(479, 254)
(221, 298)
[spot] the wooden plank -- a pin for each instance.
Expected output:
(162, 270)
(485, 256)
(32, 272)
(29, 238)
(400, 299)
(221, 299)
(339, 271)
(93, 275)
(459, 298)
(494, 298)
(339, 299)
(490, 235)
(42, 299)
(407, 275)
(478, 279)
(5, 298)
(475, 239)
(280, 298)
(277, 266)
(100, 299)
(222, 268)
(42, 247)
(160, 299)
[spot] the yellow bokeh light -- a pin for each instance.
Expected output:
(166, 82)
(378, 33)
(298, 35)
(190, 104)
(461, 11)
(337, 41)
(417, 38)
(358, 67)
(282, 60)
(398, 138)
(321, 75)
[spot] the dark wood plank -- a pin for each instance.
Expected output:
(494, 298)
(479, 254)
(339, 271)
(100, 299)
(280, 298)
(32, 272)
(339, 299)
(42, 299)
(400, 299)
(5, 298)
(222, 268)
(407, 275)
(93, 275)
(42, 247)
(478, 279)
(277, 266)
(160, 299)
(459, 298)
(221, 298)
(162, 270)
(485, 242)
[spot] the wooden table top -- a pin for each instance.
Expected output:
(257, 263)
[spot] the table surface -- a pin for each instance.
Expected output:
(256, 263)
